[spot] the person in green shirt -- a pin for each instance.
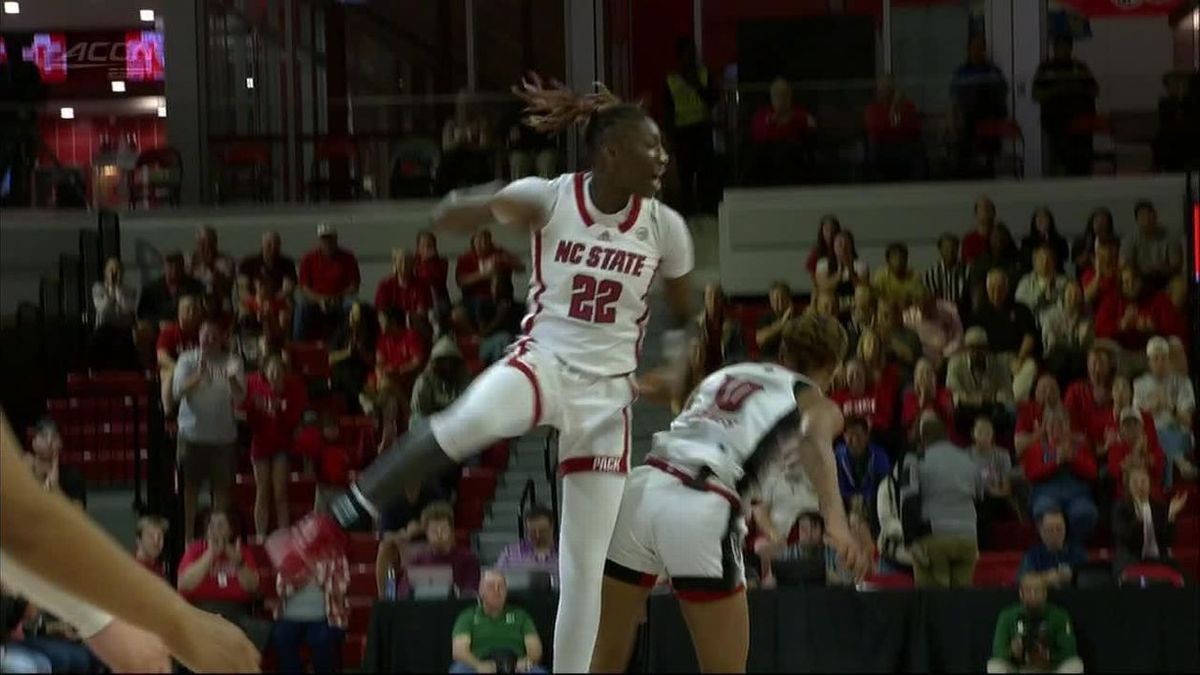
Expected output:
(1034, 636)
(494, 637)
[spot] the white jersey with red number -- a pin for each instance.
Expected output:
(592, 272)
(736, 423)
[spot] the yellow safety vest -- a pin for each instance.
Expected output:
(690, 107)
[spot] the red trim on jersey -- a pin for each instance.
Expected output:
(581, 202)
(527, 324)
(537, 390)
(707, 596)
(685, 477)
(593, 464)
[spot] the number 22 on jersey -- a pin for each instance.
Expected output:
(593, 300)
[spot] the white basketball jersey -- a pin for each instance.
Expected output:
(592, 273)
(735, 423)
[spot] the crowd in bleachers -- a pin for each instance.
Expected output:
(962, 460)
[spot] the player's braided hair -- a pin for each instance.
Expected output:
(815, 341)
(553, 109)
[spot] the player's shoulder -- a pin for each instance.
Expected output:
(664, 216)
(819, 409)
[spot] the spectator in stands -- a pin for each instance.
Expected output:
(430, 269)
(327, 452)
(149, 538)
(315, 614)
(997, 475)
(1067, 334)
(57, 641)
(976, 242)
(860, 317)
(861, 464)
(1067, 92)
(1152, 251)
(401, 289)
(1099, 229)
(1104, 429)
(1032, 415)
(841, 272)
(827, 231)
(1179, 358)
(1034, 636)
(460, 326)
(925, 395)
(173, 340)
(159, 302)
(399, 357)
(46, 463)
(1177, 328)
(443, 380)
(1102, 280)
(1143, 526)
(950, 485)
(468, 147)
(946, 280)
(499, 321)
(1012, 332)
(901, 345)
(792, 554)
(494, 636)
(401, 521)
(476, 268)
(938, 327)
(215, 270)
(1087, 397)
(823, 304)
(688, 98)
(863, 398)
(896, 283)
(779, 131)
(269, 263)
(1043, 287)
(209, 384)
(980, 383)
(264, 321)
(218, 573)
(893, 125)
(1044, 233)
(395, 554)
(352, 355)
(274, 405)
(1177, 145)
(1002, 254)
(770, 326)
(1062, 472)
(112, 345)
(1131, 318)
(329, 281)
(980, 94)
(537, 551)
(1170, 398)
(1134, 448)
(720, 333)
(894, 554)
(1054, 559)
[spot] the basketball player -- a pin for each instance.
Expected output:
(599, 239)
(43, 531)
(682, 512)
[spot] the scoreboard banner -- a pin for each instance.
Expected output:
(79, 62)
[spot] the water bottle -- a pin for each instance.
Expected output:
(389, 588)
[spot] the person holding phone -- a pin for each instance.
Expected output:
(1034, 635)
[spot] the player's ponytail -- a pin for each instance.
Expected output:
(554, 109)
(814, 341)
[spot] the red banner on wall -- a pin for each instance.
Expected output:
(1116, 8)
(80, 61)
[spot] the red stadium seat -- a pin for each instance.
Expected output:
(477, 483)
(1013, 536)
(1151, 574)
(1187, 531)
(353, 650)
(362, 582)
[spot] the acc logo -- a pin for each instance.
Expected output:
(641, 234)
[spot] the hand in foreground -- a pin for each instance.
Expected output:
(125, 648)
(851, 556)
(207, 643)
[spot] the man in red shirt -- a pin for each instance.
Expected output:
(893, 133)
(431, 268)
(975, 242)
(175, 339)
(1062, 471)
(1031, 415)
(401, 289)
(475, 269)
(1132, 317)
(778, 130)
(219, 574)
(1087, 396)
(1102, 281)
(329, 281)
(400, 354)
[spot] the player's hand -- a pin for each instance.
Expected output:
(207, 643)
(851, 555)
(125, 648)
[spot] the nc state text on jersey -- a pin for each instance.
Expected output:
(600, 257)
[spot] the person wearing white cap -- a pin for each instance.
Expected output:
(980, 383)
(329, 281)
(1170, 398)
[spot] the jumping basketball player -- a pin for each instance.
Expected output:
(599, 239)
(681, 514)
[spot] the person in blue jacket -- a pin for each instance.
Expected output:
(861, 464)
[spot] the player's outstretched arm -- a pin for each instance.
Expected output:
(465, 210)
(44, 531)
(820, 423)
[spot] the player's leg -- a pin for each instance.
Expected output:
(621, 605)
(720, 631)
